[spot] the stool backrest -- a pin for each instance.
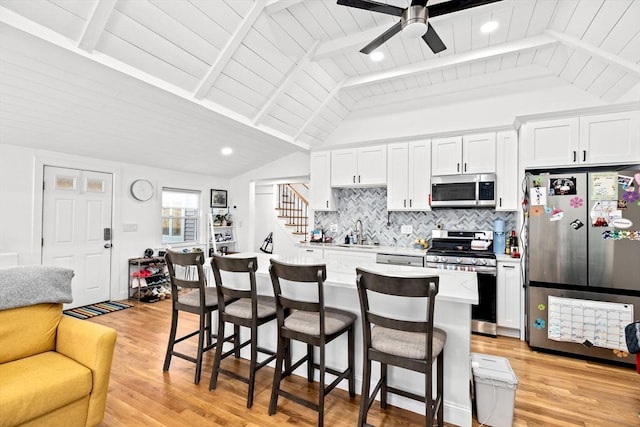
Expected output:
(187, 260)
(236, 289)
(401, 286)
(300, 274)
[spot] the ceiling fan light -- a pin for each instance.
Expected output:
(414, 30)
(489, 27)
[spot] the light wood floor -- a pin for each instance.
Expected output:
(553, 391)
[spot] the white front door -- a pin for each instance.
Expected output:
(76, 230)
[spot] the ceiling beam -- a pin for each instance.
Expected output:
(95, 24)
(292, 75)
(524, 45)
(321, 107)
(274, 6)
(20, 23)
(229, 49)
(613, 60)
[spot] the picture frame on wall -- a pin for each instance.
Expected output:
(218, 198)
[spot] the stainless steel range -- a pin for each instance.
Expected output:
(469, 251)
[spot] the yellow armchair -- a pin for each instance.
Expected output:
(54, 369)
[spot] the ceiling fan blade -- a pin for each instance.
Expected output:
(433, 40)
(373, 6)
(455, 6)
(378, 41)
(422, 3)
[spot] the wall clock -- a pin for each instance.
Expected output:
(142, 189)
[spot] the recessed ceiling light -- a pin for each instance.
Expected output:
(226, 151)
(489, 27)
(377, 56)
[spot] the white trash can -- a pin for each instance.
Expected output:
(495, 387)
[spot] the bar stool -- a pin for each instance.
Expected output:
(309, 322)
(201, 300)
(409, 344)
(247, 309)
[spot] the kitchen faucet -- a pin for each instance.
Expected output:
(359, 232)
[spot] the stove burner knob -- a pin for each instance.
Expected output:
(474, 261)
(442, 258)
(458, 260)
(483, 262)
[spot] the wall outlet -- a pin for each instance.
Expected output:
(406, 229)
(333, 228)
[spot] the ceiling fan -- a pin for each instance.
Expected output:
(413, 19)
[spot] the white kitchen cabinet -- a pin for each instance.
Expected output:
(584, 141)
(507, 190)
(610, 138)
(311, 252)
(321, 193)
(359, 167)
(508, 290)
(552, 142)
(408, 176)
(446, 156)
(468, 154)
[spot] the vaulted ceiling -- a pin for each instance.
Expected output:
(170, 82)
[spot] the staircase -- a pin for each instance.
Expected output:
(293, 208)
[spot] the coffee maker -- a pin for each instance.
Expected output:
(499, 236)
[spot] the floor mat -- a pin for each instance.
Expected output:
(93, 310)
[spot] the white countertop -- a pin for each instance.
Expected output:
(455, 286)
(507, 258)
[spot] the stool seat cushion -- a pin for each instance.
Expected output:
(412, 345)
(193, 298)
(307, 322)
(242, 307)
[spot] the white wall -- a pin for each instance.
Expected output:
(21, 203)
(469, 109)
(242, 192)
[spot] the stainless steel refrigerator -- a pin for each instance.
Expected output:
(583, 260)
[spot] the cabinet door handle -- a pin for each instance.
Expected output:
(574, 156)
(584, 155)
(500, 202)
(327, 203)
(404, 203)
(457, 167)
(465, 167)
(508, 266)
(354, 177)
(410, 203)
(358, 179)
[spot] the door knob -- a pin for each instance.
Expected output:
(108, 245)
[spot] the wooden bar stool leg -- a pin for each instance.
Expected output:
(322, 387)
(309, 363)
(383, 388)
(209, 328)
(172, 339)
(277, 376)
(252, 366)
(236, 341)
(366, 389)
(201, 333)
(440, 388)
(216, 361)
(351, 362)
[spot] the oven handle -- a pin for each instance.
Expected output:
(491, 271)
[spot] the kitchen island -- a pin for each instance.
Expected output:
(458, 291)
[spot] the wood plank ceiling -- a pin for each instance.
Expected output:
(286, 72)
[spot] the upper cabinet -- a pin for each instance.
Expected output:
(507, 171)
(468, 154)
(409, 177)
(321, 194)
(586, 140)
(359, 167)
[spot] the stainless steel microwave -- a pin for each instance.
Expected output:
(463, 191)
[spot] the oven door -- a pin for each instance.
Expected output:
(483, 315)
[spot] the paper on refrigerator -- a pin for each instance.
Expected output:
(599, 323)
